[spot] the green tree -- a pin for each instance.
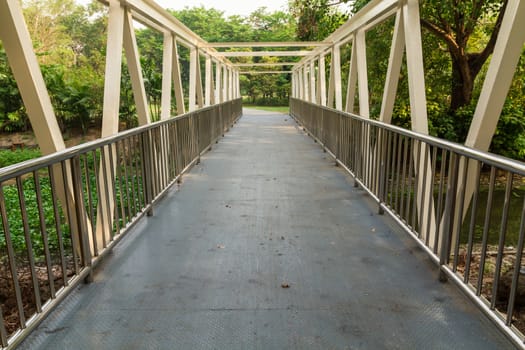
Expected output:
(316, 19)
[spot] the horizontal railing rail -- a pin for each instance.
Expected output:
(464, 207)
(61, 213)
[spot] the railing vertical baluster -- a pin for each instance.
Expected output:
(472, 226)
(417, 170)
(382, 168)
(395, 141)
(431, 212)
(3, 333)
(486, 226)
(100, 214)
(80, 213)
(439, 210)
(126, 153)
(403, 180)
(12, 259)
(29, 245)
(90, 203)
(136, 171)
(448, 212)
(517, 267)
(422, 173)
(56, 214)
(399, 160)
(112, 167)
(131, 178)
(118, 146)
(43, 232)
(147, 171)
(501, 241)
(459, 212)
(105, 188)
(409, 180)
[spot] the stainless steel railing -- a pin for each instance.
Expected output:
(464, 207)
(60, 214)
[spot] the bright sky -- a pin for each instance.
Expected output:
(230, 7)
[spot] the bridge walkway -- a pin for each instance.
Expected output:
(266, 245)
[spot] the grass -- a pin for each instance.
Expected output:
(278, 109)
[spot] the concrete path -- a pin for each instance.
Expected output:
(266, 245)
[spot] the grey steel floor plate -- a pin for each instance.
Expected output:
(266, 208)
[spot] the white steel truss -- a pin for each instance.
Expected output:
(120, 35)
(406, 41)
(309, 81)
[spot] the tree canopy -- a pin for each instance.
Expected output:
(458, 39)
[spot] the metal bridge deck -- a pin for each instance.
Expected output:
(264, 210)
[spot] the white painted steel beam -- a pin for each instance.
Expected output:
(218, 83)
(373, 10)
(212, 87)
(135, 71)
(167, 68)
(352, 80)
(230, 85)
(177, 80)
(268, 44)
(194, 62)
(362, 73)
(254, 72)
(501, 70)
(263, 53)
(307, 96)
(26, 70)
(225, 83)
(264, 64)
(502, 67)
(313, 96)
(300, 83)
(418, 112)
(336, 66)
(394, 69)
(321, 81)
(208, 82)
(200, 91)
(113, 73)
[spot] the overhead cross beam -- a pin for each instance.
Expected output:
(266, 72)
(264, 64)
(269, 44)
(263, 53)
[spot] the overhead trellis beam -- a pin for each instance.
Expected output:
(264, 53)
(264, 64)
(269, 44)
(267, 72)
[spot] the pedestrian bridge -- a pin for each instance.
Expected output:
(222, 228)
(267, 245)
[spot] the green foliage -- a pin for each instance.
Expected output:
(70, 42)
(15, 220)
(261, 25)
(316, 19)
(13, 157)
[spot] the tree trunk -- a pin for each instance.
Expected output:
(462, 84)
